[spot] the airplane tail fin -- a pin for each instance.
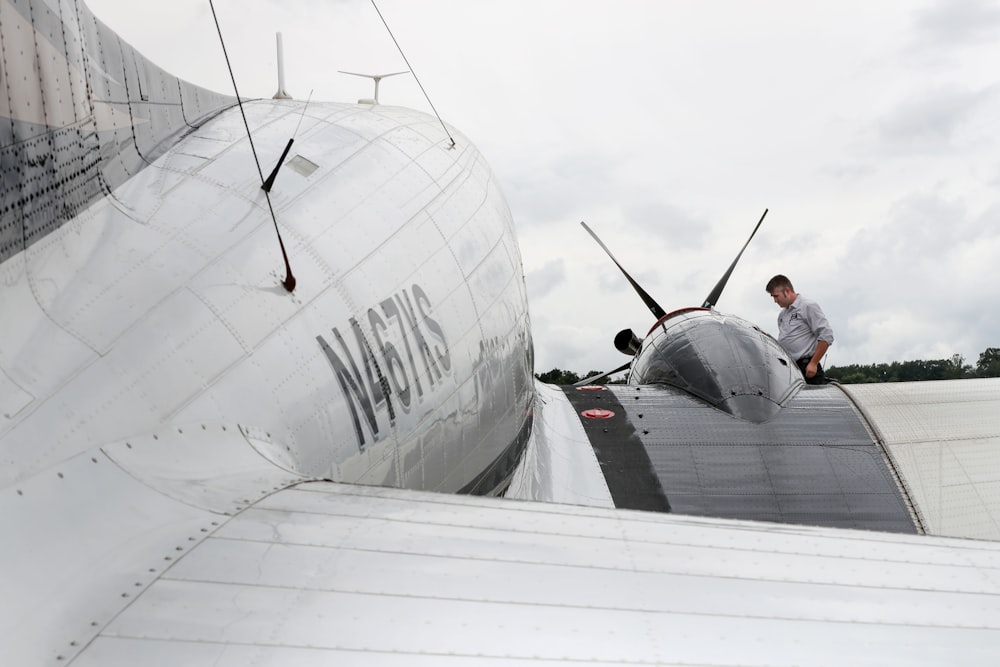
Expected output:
(80, 113)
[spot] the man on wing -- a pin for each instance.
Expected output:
(803, 330)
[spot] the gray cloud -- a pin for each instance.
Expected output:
(667, 224)
(543, 281)
(545, 191)
(957, 22)
(918, 285)
(930, 122)
(915, 225)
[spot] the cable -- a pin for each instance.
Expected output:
(426, 96)
(289, 281)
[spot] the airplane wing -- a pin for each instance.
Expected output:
(200, 546)
(814, 463)
(911, 457)
(168, 570)
(942, 439)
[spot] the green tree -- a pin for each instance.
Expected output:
(906, 371)
(988, 365)
(960, 368)
(558, 376)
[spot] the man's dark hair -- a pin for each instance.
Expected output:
(779, 281)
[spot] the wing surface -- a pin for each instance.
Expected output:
(324, 573)
(814, 463)
(87, 536)
(900, 457)
(176, 559)
(944, 440)
(559, 465)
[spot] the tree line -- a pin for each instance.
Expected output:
(954, 368)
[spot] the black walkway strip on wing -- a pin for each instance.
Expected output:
(626, 465)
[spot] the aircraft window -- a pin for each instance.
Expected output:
(303, 166)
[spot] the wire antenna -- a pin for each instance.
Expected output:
(303, 114)
(417, 78)
(289, 282)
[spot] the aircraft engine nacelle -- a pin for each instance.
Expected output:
(721, 359)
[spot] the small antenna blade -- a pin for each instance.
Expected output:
(648, 300)
(269, 183)
(716, 292)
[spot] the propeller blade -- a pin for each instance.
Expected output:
(648, 300)
(600, 376)
(716, 292)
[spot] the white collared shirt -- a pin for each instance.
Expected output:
(801, 325)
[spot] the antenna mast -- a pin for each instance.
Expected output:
(281, 94)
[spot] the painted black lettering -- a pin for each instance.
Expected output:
(355, 393)
(391, 310)
(425, 350)
(379, 389)
(393, 361)
(424, 306)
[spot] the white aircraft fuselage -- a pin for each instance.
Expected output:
(142, 276)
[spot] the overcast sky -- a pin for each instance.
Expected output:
(869, 129)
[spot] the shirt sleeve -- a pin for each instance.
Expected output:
(818, 322)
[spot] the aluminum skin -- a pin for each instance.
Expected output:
(142, 274)
(724, 360)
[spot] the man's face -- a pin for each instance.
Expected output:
(783, 296)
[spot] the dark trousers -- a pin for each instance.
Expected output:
(819, 378)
